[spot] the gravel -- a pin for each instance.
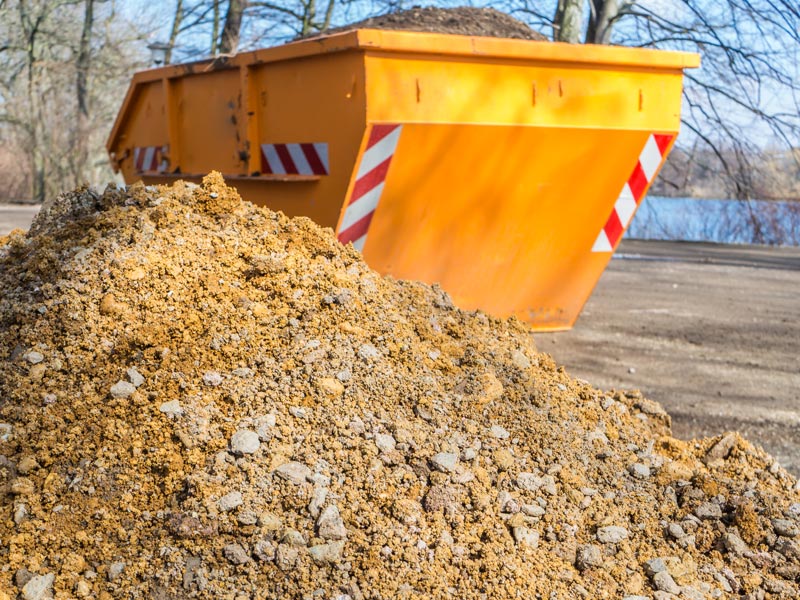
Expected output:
(122, 390)
(330, 525)
(264, 550)
(385, 442)
(247, 517)
(245, 441)
(230, 501)
(612, 534)
(445, 462)
(115, 570)
(171, 408)
(236, 554)
(664, 582)
(39, 587)
(639, 471)
(588, 556)
(721, 449)
(526, 536)
(675, 531)
(34, 357)
(734, 544)
(501, 433)
(327, 553)
(708, 510)
(294, 472)
(270, 522)
(786, 527)
(212, 378)
(533, 510)
(136, 378)
(654, 565)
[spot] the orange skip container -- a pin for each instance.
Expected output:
(504, 170)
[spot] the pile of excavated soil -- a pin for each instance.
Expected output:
(463, 20)
(200, 398)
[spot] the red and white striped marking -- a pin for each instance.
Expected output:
(295, 159)
(632, 192)
(369, 184)
(150, 158)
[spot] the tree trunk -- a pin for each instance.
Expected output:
(233, 25)
(83, 61)
(328, 16)
(215, 30)
(30, 25)
(568, 21)
(173, 35)
(309, 14)
(80, 161)
(601, 21)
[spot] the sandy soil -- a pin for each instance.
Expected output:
(202, 399)
(463, 20)
(712, 332)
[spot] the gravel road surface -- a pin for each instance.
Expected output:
(710, 331)
(13, 216)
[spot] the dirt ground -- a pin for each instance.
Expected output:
(13, 216)
(203, 399)
(464, 20)
(710, 331)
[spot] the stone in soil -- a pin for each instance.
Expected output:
(230, 501)
(136, 378)
(236, 554)
(330, 525)
(327, 553)
(122, 389)
(463, 20)
(445, 462)
(786, 527)
(295, 472)
(39, 587)
(588, 556)
(245, 441)
(612, 534)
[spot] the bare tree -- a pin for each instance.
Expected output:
(748, 89)
(253, 23)
(568, 21)
(82, 68)
(63, 68)
(603, 14)
(177, 19)
(231, 30)
(62, 57)
(215, 27)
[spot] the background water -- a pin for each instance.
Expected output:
(722, 221)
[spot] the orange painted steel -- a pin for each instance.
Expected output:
(509, 158)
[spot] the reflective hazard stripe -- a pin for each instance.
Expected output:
(295, 159)
(370, 179)
(151, 159)
(644, 172)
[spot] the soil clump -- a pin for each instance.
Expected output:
(200, 398)
(464, 20)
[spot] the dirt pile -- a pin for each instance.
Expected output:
(201, 398)
(464, 20)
